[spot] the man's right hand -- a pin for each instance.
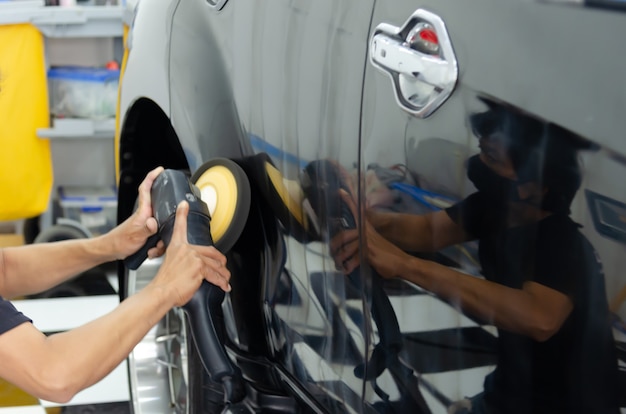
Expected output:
(185, 266)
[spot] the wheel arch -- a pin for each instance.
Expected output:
(147, 140)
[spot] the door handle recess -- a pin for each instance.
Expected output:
(419, 58)
(217, 4)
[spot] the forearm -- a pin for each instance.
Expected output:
(407, 231)
(429, 232)
(79, 358)
(506, 308)
(36, 267)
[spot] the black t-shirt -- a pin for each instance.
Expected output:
(575, 371)
(9, 316)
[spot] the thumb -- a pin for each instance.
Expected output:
(179, 235)
(151, 226)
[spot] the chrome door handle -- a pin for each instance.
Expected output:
(396, 56)
(419, 58)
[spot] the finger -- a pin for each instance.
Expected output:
(179, 234)
(151, 226)
(157, 251)
(146, 186)
(160, 247)
(347, 251)
(341, 239)
(349, 264)
(219, 277)
(218, 256)
(211, 252)
(212, 257)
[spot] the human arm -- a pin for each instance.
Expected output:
(56, 367)
(409, 232)
(418, 233)
(535, 310)
(36, 267)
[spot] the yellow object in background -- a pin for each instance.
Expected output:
(118, 128)
(26, 174)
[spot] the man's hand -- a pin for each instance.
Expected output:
(185, 266)
(131, 235)
(380, 253)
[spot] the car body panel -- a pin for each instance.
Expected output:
(147, 66)
(292, 81)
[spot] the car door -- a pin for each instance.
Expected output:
(432, 65)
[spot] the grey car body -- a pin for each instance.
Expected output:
(300, 81)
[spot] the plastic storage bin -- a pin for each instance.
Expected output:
(83, 92)
(93, 207)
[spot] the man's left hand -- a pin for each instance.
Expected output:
(132, 234)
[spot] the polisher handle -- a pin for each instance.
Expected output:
(168, 190)
(202, 309)
(136, 259)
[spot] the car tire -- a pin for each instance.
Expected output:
(71, 288)
(58, 233)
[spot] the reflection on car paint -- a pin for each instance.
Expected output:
(284, 88)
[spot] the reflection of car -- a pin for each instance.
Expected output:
(385, 89)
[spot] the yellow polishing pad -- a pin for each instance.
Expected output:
(225, 189)
(289, 192)
(218, 190)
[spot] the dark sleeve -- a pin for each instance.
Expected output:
(566, 261)
(10, 317)
(469, 214)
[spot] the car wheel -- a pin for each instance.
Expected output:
(59, 232)
(165, 371)
(72, 287)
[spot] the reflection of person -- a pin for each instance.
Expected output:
(56, 367)
(543, 286)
